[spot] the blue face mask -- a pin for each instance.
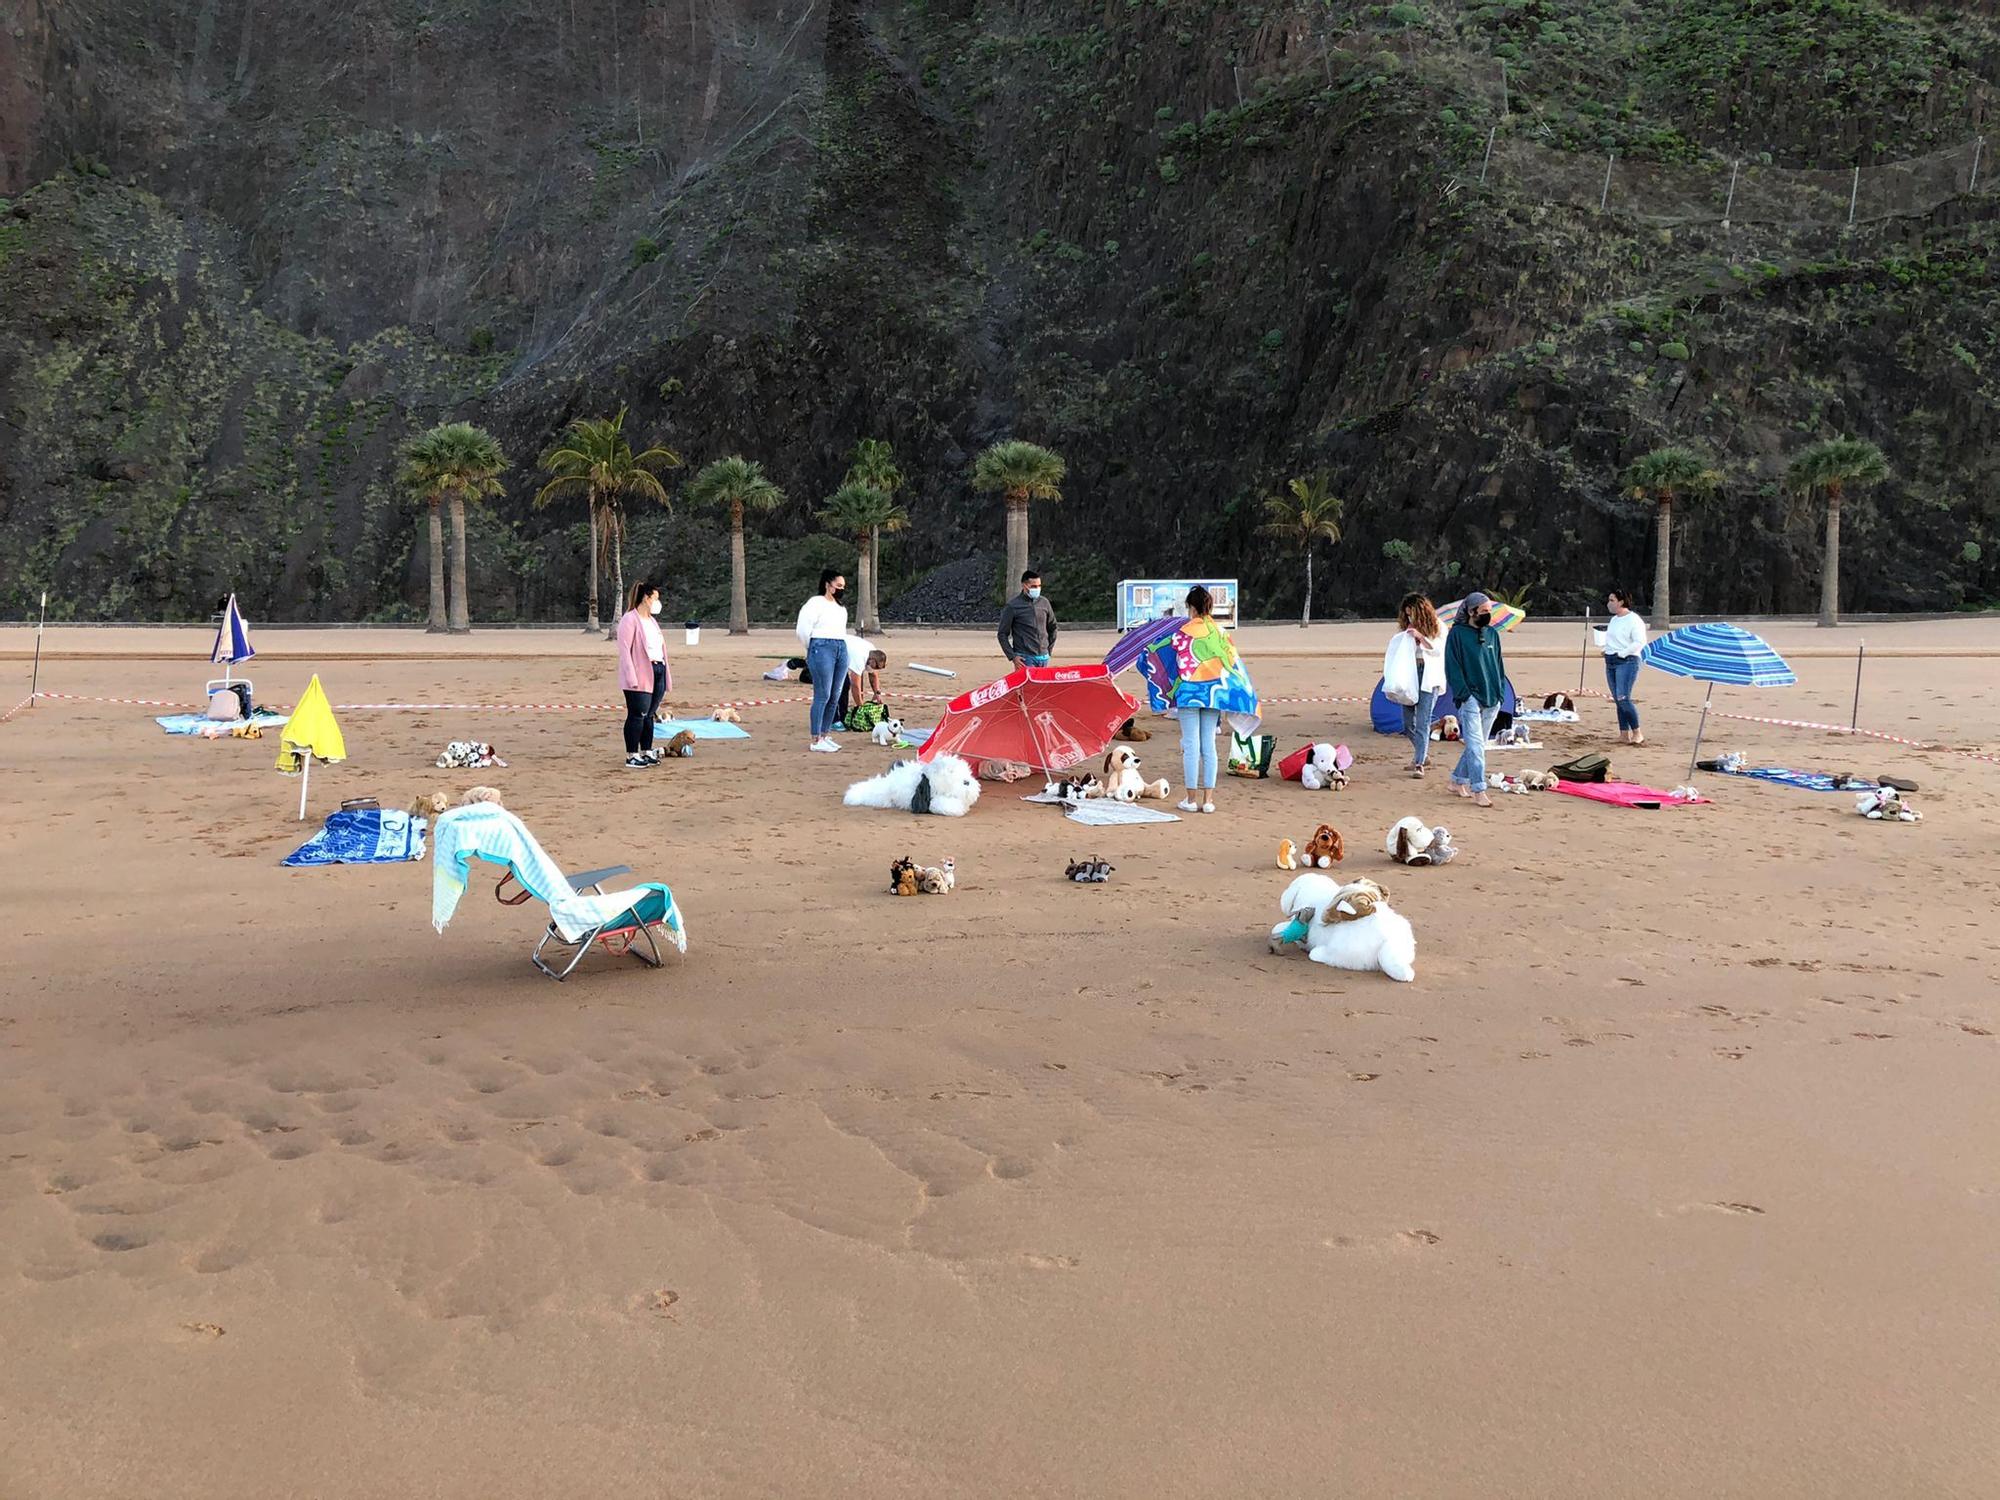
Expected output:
(1035, 592)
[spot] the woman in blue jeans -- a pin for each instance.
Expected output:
(822, 631)
(1475, 674)
(1417, 617)
(1624, 639)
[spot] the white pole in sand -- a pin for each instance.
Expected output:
(305, 781)
(35, 677)
(1860, 651)
(1583, 657)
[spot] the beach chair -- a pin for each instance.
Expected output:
(582, 914)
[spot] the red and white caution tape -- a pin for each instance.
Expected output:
(141, 702)
(1868, 734)
(18, 707)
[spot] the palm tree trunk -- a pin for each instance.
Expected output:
(590, 615)
(461, 604)
(875, 579)
(1017, 543)
(438, 623)
(1829, 570)
(617, 573)
(739, 590)
(1663, 562)
(1305, 618)
(866, 566)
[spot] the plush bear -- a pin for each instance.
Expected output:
(1326, 768)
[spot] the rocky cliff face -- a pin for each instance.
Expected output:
(1194, 247)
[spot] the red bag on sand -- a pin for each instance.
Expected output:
(1294, 763)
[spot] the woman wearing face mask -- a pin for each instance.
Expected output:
(1475, 675)
(642, 672)
(823, 633)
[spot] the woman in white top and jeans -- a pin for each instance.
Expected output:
(823, 633)
(1418, 618)
(1624, 639)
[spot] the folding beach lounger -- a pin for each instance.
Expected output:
(582, 914)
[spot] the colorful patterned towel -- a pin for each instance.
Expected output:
(1625, 794)
(363, 836)
(1197, 667)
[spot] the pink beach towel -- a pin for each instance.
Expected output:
(1625, 794)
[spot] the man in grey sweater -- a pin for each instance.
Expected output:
(1028, 624)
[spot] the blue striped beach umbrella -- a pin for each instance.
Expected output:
(232, 638)
(1133, 643)
(1717, 653)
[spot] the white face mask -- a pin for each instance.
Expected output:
(654, 606)
(1035, 592)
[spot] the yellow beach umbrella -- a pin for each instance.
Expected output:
(311, 733)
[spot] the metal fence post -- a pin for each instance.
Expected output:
(1489, 154)
(1734, 167)
(1605, 197)
(1854, 198)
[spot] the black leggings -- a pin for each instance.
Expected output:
(639, 708)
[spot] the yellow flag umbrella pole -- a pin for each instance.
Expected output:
(310, 733)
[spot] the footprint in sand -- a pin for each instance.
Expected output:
(1417, 1237)
(204, 1330)
(1719, 1208)
(1364, 1077)
(1050, 1262)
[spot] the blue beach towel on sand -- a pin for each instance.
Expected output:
(1805, 781)
(363, 836)
(701, 729)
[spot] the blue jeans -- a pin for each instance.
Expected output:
(1198, 731)
(1622, 674)
(826, 660)
(1417, 723)
(1474, 725)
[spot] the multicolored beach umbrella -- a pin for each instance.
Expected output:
(1133, 643)
(1505, 616)
(1716, 653)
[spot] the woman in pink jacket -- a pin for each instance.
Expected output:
(642, 672)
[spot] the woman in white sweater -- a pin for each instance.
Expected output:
(823, 634)
(1624, 639)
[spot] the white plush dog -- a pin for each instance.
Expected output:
(1410, 842)
(1364, 933)
(887, 732)
(945, 786)
(1122, 782)
(1322, 770)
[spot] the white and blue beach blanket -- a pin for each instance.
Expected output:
(362, 836)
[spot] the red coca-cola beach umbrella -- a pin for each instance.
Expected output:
(1051, 718)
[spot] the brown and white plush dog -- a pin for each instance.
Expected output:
(429, 805)
(903, 876)
(1559, 703)
(937, 880)
(1446, 728)
(727, 715)
(1130, 730)
(1122, 781)
(1412, 842)
(480, 794)
(681, 744)
(1325, 848)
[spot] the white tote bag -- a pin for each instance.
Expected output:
(1400, 672)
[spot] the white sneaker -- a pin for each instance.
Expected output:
(1208, 807)
(823, 747)
(831, 743)
(1187, 807)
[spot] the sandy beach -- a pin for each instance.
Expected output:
(1672, 1175)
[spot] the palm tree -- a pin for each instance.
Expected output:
(742, 486)
(1826, 469)
(874, 463)
(454, 461)
(863, 512)
(1664, 476)
(594, 460)
(1310, 515)
(1020, 472)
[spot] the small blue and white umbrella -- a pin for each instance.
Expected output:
(232, 639)
(1717, 653)
(1133, 643)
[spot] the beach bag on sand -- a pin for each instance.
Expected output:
(224, 706)
(1399, 670)
(863, 717)
(1592, 765)
(1250, 755)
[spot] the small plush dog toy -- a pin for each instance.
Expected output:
(681, 744)
(1446, 728)
(903, 876)
(1288, 855)
(1122, 782)
(1076, 788)
(1130, 730)
(480, 794)
(887, 732)
(1323, 769)
(1325, 848)
(1410, 842)
(429, 805)
(468, 755)
(727, 715)
(1088, 871)
(937, 880)
(1560, 703)
(1885, 804)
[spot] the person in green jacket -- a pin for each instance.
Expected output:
(1475, 674)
